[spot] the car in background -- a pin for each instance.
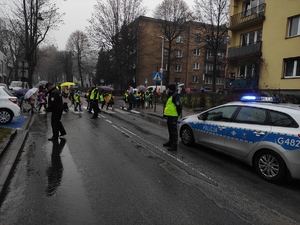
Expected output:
(162, 88)
(3, 85)
(256, 130)
(8, 106)
(17, 85)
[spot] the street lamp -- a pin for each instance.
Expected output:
(161, 71)
(162, 59)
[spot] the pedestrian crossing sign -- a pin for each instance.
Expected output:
(156, 76)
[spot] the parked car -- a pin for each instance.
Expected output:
(8, 106)
(153, 87)
(17, 85)
(263, 135)
(4, 85)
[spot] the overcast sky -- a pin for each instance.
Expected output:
(79, 11)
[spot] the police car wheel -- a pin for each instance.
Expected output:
(187, 136)
(270, 166)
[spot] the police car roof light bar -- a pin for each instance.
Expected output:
(249, 98)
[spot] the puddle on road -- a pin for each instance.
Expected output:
(65, 182)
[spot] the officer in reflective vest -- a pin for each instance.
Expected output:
(94, 97)
(172, 110)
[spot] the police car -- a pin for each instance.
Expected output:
(256, 130)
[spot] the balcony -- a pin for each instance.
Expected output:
(239, 51)
(248, 18)
(242, 84)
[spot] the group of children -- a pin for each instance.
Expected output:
(105, 98)
(135, 99)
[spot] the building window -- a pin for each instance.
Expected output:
(247, 71)
(165, 66)
(197, 51)
(251, 37)
(197, 38)
(179, 39)
(196, 66)
(176, 80)
(178, 68)
(219, 80)
(195, 79)
(209, 67)
(251, 7)
(292, 68)
(208, 80)
(209, 54)
(179, 54)
(166, 51)
(294, 26)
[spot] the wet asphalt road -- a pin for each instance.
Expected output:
(113, 170)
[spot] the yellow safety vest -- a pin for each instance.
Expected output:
(76, 98)
(170, 108)
(101, 98)
(93, 97)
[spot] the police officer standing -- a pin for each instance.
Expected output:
(94, 97)
(55, 105)
(172, 110)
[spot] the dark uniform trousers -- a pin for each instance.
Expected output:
(95, 108)
(172, 128)
(56, 124)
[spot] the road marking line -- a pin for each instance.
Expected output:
(128, 132)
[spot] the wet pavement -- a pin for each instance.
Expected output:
(12, 146)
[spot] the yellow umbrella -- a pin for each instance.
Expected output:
(66, 84)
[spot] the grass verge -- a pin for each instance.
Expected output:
(4, 133)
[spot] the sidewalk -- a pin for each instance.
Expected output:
(11, 149)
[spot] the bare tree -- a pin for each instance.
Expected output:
(31, 21)
(78, 45)
(65, 58)
(213, 16)
(49, 66)
(112, 25)
(173, 15)
(12, 47)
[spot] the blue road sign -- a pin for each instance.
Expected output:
(156, 76)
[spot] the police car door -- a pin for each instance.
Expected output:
(213, 124)
(246, 131)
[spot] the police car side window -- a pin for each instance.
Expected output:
(281, 120)
(251, 115)
(221, 114)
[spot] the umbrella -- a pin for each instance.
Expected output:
(141, 88)
(30, 92)
(41, 83)
(106, 88)
(21, 91)
(180, 85)
(66, 84)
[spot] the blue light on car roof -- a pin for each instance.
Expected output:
(249, 98)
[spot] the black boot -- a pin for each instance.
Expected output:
(167, 144)
(173, 148)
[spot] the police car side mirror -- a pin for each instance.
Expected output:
(202, 117)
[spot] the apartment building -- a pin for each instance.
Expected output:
(191, 59)
(264, 52)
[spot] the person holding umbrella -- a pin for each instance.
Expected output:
(55, 106)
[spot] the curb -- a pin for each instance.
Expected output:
(10, 155)
(6, 142)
